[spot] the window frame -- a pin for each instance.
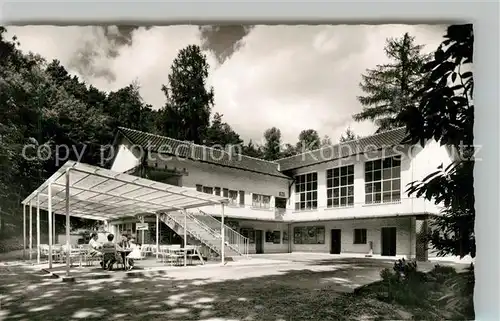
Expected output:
(360, 238)
(379, 175)
(340, 186)
(205, 190)
(259, 203)
(306, 192)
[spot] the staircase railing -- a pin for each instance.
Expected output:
(166, 216)
(233, 239)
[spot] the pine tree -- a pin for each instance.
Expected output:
(390, 88)
(186, 114)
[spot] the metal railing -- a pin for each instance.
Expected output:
(232, 239)
(180, 223)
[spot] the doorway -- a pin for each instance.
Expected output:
(335, 241)
(388, 241)
(259, 246)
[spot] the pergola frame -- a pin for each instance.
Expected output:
(93, 192)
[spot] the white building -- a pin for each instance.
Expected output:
(347, 198)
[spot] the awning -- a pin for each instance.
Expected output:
(102, 194)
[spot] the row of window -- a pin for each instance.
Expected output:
(237, 197)
(316, 235)
(382, 184)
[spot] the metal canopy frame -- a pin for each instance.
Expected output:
(92, 192)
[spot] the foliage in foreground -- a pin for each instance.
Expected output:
(442, 293)
(446, 114)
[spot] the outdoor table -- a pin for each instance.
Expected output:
(124, 253)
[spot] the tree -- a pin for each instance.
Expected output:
(326, 141)
(392, 87)
(308, 140)
(186, 114)
(253, 150)
(127, 108)
(289, 150)
(272, 146)
(348, 136)
(221, 133)
(446, 114)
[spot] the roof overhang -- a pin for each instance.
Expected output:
(102, 194)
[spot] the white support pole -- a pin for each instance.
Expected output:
(49, 214)
(185, 237)
(38, 228)
(223, 238)
(24, 231)
(157, 235)
(68, 248)
(31, 231)
(53, 220)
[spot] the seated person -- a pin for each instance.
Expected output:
(125, 243)
(110, 256)
(95, 246)
(134, 254)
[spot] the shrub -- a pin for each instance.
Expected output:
(441, 273)
(403, 284)
(11, 244)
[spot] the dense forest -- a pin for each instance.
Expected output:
(42, 104)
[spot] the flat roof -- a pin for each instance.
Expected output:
(102, 194)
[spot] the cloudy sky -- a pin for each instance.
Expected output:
(291, 77)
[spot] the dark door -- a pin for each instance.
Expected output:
(388, 241)
(259, 248)
(335, 242)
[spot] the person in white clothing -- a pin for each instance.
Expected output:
(95, 246)
(135, 254)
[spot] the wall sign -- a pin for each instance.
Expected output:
(281, 194)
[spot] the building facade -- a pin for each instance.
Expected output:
(342, 199)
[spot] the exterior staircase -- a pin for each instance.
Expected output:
(203, 229)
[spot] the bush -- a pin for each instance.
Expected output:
(441, 273)
(403, 284)
(11, 244)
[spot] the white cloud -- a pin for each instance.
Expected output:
(291, 77)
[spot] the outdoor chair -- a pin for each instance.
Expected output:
(193, 252)
(90, 256)
(174, 257)
(146, 249)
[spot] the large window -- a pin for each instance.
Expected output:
(309, 235)
(360, 236)
(306, 191)
(340, 186)
(383, 180)
(261, 201)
